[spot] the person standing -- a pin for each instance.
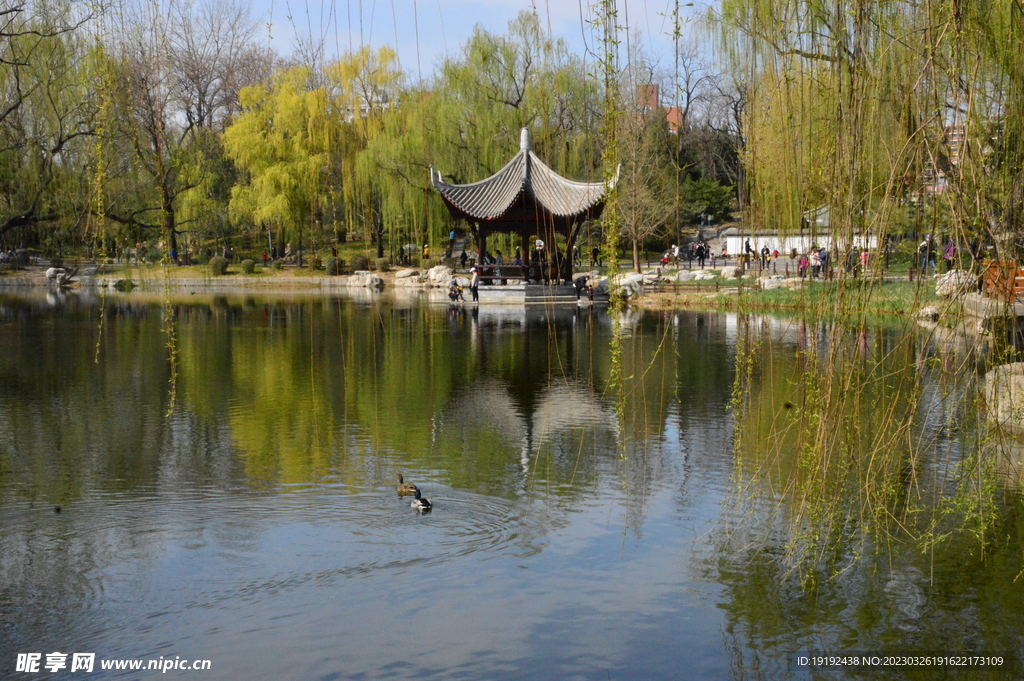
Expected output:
(949, 255)
(474, 284)
(926, 249)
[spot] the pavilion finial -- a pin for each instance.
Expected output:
(524, 140)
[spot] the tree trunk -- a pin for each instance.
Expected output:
(636, 255)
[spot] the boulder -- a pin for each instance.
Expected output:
(404, 274)
(684, 275)
(54, 272)
(629, 278)
(772, 283)
(367, 280)
(1004, 395)
(928, 314)
(955, 283)
(731, 272)
(407, 282)
(702, 275)
(440, 275)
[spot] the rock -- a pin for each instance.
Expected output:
(407, 282)
(629, 278)
(702, 275)
(403, 274)
(771, 284)
(593, 274)
(684, 275)
(54, 272)
(367, 280)
(439, 274)
(731, 272)
(955, 283)
(651, 279)
(928, 314)
(1004, 395)
(361, 273)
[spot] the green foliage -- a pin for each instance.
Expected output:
(360, 262)
(124, 285)
(315, 262)
(218, 265)
(705, 195)
(334, 266)
(248, 266)
(277, 264)
(381, 264)
(281, 141)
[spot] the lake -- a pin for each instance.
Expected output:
(613, 492)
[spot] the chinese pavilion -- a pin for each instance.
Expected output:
(527, 198)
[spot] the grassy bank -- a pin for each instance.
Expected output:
(849, 297)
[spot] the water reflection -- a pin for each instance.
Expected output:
(586, 522)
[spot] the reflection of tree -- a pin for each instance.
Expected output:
(286, 392)
(864, 517)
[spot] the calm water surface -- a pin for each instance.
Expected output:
(225, 470)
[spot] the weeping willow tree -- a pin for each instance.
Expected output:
(895, 119)
(282, 141)
(467, 122)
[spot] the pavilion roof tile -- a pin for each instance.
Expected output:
(525, 174)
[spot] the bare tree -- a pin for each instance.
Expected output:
(213, 54)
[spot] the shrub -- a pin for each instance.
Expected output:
(315, 262)
(360, 262)
(218, 265)
(124, 285)
(278, 264)
(248, 266)
(382, 264)
(334, 266)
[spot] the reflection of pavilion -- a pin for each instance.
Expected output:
(527, 198)
(552, 412)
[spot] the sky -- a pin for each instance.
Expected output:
(425, 31)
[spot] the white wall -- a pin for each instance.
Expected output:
(802, 244)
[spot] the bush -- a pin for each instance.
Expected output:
(315, 262)
(360, 262)
(278, 264)
(334, 266)
(218, 265)
(124, 285)
(248, 266)
(382, 264)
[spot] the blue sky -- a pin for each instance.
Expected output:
(441, 27)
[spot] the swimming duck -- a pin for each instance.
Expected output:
(405, 488)
(421, 504)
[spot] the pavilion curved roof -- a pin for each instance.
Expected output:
(523, 178)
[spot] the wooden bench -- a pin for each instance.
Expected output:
(1002, 280)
